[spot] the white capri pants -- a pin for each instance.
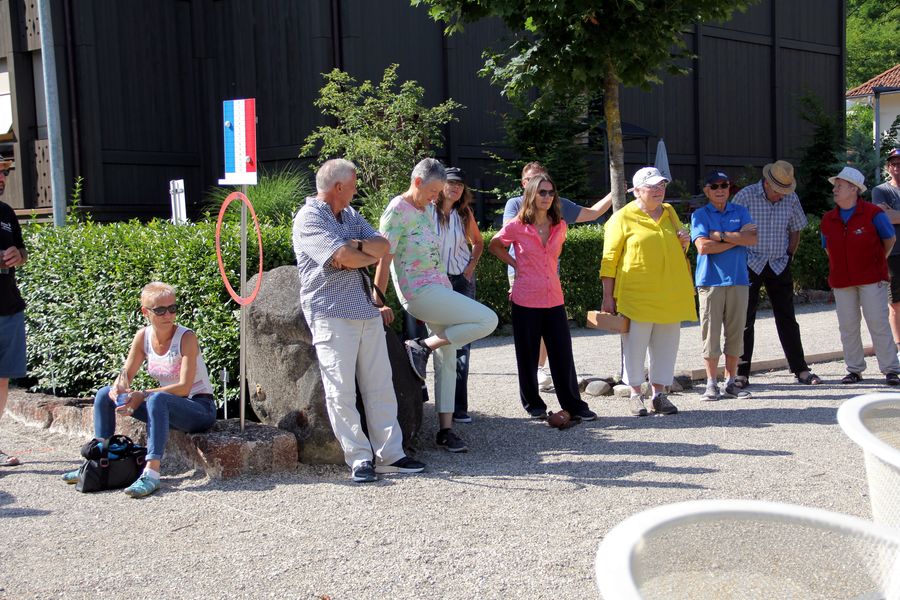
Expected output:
(458, 318)
(660, 340)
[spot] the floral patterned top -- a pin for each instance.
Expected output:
(416, 249)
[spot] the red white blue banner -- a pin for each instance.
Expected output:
(239, 126)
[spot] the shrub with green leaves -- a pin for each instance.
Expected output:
(383, 129)
(276, 198)
(810, 264)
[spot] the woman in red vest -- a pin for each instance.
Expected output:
(858, 236)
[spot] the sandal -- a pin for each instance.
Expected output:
(8, 461)
(851, 378)
(813, 379)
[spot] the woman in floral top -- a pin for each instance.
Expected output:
(425, 292)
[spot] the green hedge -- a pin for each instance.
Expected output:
(82, 285)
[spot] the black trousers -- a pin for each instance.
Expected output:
(780, 289)
(551, 324)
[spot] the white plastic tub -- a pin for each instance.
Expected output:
(873, 422)
(747, 550)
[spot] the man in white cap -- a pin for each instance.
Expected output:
(12, 306)
(776, 210)
(858, 237)
(887, 197)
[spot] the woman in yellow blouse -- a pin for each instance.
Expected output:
(646, 278)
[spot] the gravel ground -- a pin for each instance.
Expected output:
(519, 516)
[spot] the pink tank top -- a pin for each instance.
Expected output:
(166, 369)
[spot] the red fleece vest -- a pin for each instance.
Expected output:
(855, 251)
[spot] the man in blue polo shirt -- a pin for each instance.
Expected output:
(721, 231)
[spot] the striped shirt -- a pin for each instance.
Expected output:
(327, 292)
(455, 252)
(776, 221)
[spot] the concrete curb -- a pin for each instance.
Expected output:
(223, 452)
(773, 364)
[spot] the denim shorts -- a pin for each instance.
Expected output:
(12, 346)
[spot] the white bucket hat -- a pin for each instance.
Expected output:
(853, 176)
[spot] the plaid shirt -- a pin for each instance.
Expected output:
(776, 220)
(327, 292)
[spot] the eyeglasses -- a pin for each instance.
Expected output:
(720, 186)
(161, 310)
(545, 193)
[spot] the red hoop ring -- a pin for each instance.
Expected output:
(237, 297)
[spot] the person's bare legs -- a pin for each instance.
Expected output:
(731, 365)
(894, 311)
(9, 461)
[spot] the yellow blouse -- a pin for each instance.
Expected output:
(653, 282)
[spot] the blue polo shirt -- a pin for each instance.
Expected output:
(729, 267)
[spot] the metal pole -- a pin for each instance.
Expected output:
(54, 129)
(243, 312)
(877, 136)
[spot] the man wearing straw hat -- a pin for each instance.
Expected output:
(858, 238)
(779, 217)
(12, 306)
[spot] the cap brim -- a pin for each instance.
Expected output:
(861, 188)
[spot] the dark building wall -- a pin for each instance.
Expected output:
(149, 78)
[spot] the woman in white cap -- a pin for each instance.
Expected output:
(646, 278)
(858, 237)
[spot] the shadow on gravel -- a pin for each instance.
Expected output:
(742, 416)
(12, 513)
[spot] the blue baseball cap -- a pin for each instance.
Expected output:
(714, 176)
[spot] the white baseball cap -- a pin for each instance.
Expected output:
(646, 176)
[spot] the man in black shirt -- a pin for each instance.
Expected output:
(12, 306)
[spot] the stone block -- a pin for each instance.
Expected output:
(598, 387)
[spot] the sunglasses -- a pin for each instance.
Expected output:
(545, 193)
(161, 310)
(720, 186)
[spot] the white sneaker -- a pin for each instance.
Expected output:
(545, 381)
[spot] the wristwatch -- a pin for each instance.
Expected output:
(721, 236)
(359, 245)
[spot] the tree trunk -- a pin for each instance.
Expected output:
(614, 136)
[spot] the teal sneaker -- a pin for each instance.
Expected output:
(71, 476)
(144, 486)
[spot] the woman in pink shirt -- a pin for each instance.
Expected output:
(538, 308)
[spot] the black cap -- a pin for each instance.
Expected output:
(456, 174)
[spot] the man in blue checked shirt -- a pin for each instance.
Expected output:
(777, 212)
(332, 241)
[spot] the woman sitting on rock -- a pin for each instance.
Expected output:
(184, 398)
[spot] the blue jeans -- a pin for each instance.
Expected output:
(159, 411)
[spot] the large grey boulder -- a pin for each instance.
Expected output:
(285, 386)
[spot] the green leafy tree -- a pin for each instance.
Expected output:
(873, 28)
(547, 133)
(576, 46)
(820, 158)
(384, 129)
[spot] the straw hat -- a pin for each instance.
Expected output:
(780, 175)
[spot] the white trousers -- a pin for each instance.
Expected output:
(351, 349)
(873, 300)
(660, 340)
(458, 318)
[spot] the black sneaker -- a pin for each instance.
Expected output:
(584, 415)
(364, 472)
(662, 406)
(450, 441)
(404, 465)
(892, 379)
(538, 413)
(461, 417)
(418, 357)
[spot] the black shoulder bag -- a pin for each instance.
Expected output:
(113, 465)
